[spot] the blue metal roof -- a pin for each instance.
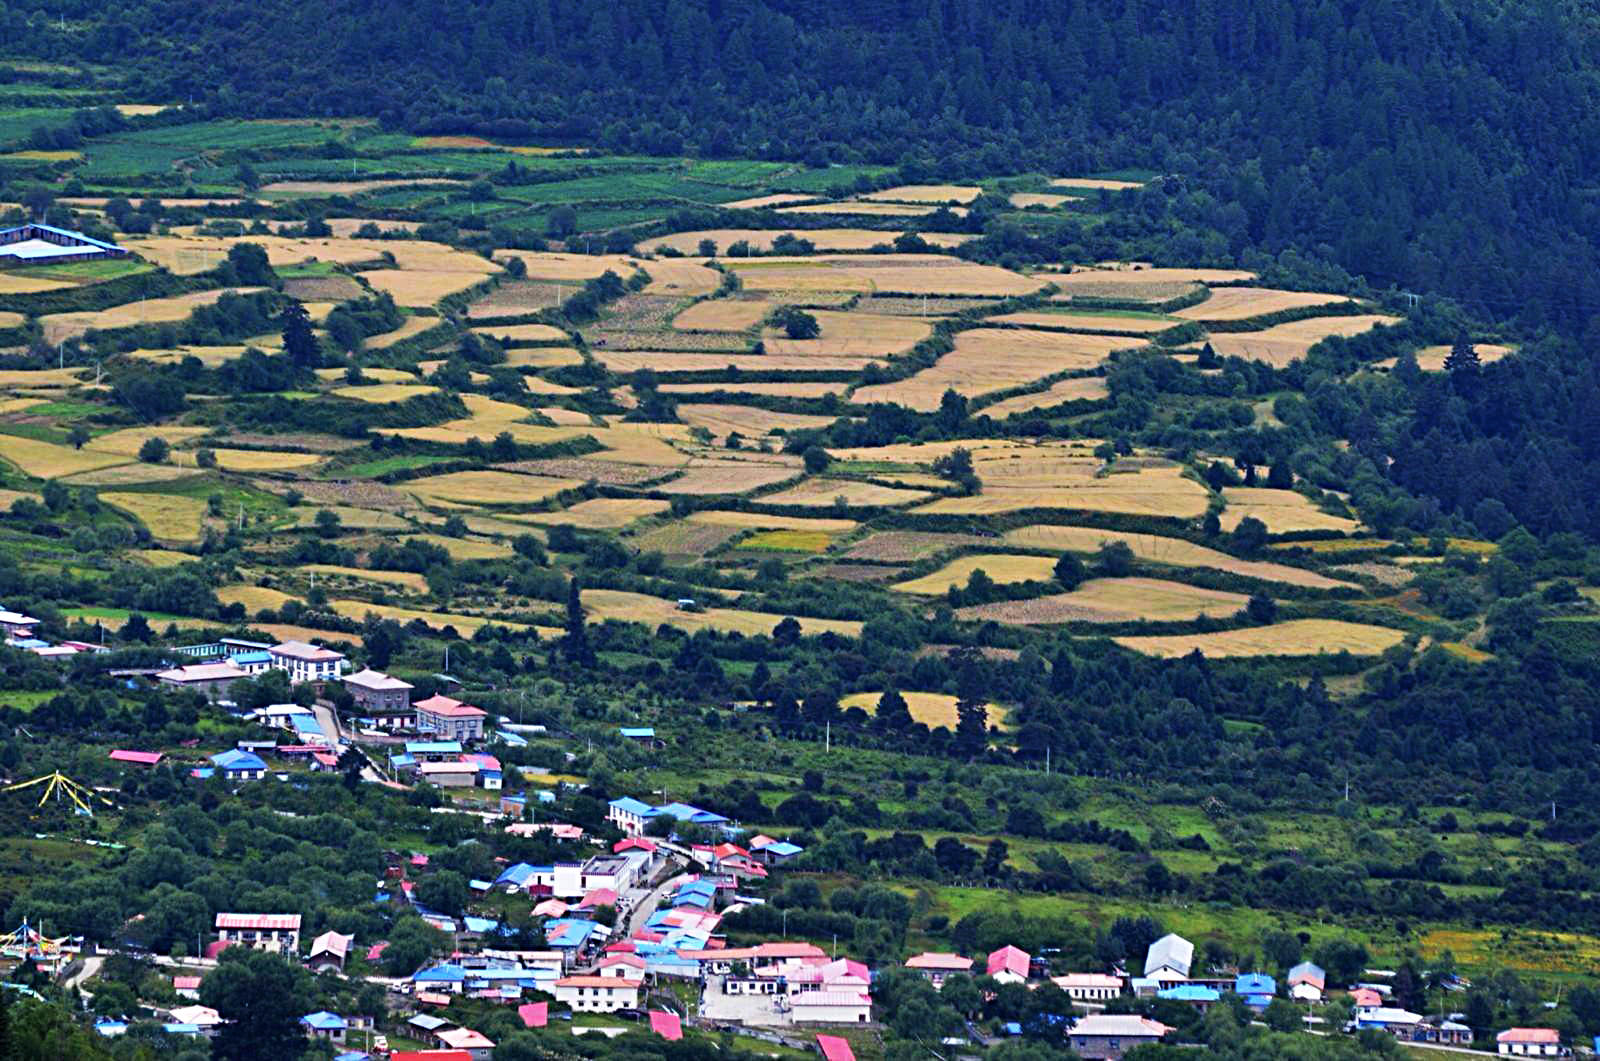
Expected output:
(629, 805)
(1190, 993)
(323, 1021)
(251, 657)
(1255, 984)
(688, 812)
(433, 747)
(234, 759)
(439, 974)
(68, 233)
(783, 848)
(638, 731)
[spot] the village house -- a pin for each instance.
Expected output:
(1307, 982)
(133, 758)
(307, 663)
(211, 680)
(473, 1044)
(236, 764)
(1106, 1037)
(329, 951)
(1009, 965)
(17, 625)
(252, 661)
(450, 719)
(1169, 958)
(935, 966)
(1256, 989)
(449, 773)
(632, 815)
(598, 994)
(1529, 1042)
(1089, 987)
(41, 244)
(386, 700)
(271, 932)
(830, 1007)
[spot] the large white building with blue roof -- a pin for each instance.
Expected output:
(36, 244)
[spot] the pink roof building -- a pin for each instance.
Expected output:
(835, 1048)
(1009, 965)
(122, 755)
(666, 1025)
(1529, 1037)
(534, 1014)
(634, 843)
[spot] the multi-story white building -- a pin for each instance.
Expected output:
(307, 663)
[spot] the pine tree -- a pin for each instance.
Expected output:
(1462, 358)
(299, 342)
(576, 644)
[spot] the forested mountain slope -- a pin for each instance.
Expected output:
(1447, 146)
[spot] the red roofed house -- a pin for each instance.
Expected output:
(120, 755)
(835, 1049)
(625, 966)
(534, 1014)
(1009, 965)
(329, 951)
(598, 994)
(1366, 998)
(430, 1055)
(476, 1045)
(936, 966)
(450, 719)
(634, 843)
(186, 986)
(1529, 1042)
(274, 932)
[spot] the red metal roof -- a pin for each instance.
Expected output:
(666, 1025)
(835, 1049)
(534, 1014)
(259, 922)
(140, 758)
(1528, 1035)
(431, 1055)
(445, 707)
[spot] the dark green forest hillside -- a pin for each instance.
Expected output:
(1447, 146)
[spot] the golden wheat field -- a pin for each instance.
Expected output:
(926, 193)
(45, 460)
(254, 598)
(487, 487)
(681, 278)
(571, 268)
(380, 375)
(127, 441)
(1002, 569)
(1296, 637)
(761, 521)
(782, 390)
(35, 379)
(1283, 511)
(995, 359)
(406, 580)
(466, 625)
(648, 444)
(1025, 200)
(1431, 358)
(748, 420)
(603, 604)
(11, 284)
(930, 709)
(1095, 183)
(665, 363)
(763, 202)
(417, 288)
(1242, 303)
(209, 356)
(600, 513)
(1113, 600)
(168, 517)
(464, 549)
(542, 357)
(823, 239)
(384, 392)
(868, 208)
(1283, 343)
(129, 475)
(914, 274)
(706, 477)
(1079, 389)
(1156, 491)
(1088, 321)
(722, 315)
(824, 493)
(59, 327)
(850, 333)
(264, 460)
(412, 326)
(527, 333)
(1157, 549)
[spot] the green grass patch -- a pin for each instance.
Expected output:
(385, 465)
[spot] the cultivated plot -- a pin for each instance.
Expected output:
(1297, 637)
(915, 274)
(986, 360)
(600, 513)
(1283, 511)
(168, 517)
(706, 477)
(1242, 303)
(487, 487)
(1283, 343)
(930, 709)
(1158, 549)
(851, 493)
(1079, 389)
(1113, 600)
(603, 604)
(1002, 569)
(823, 239)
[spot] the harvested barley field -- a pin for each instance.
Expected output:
(1283, 343)
(571, 268)
(722, 315)
(1112, 600)
(129, 475)
(904, 547)
(380, 375)
(868, 208)
(852, 572)
(1242, 303)
(362, 519)
(167, 516)
(850, 333)
(487, 487)
(761, 521)
(384, 392)
(323, 289)
(926, 193)
(603, 604)
(1079, 389)
(523, 333)
(465, 625)
(1095, 183)
(986, 360)
(763, 202)
(45, 460)
(542, 357)
(705, 477)
(1024, 200)
(412, 326)
(930, 709)
(41, 378)
(463, 548)
(1158, 491)
(1283, 511)
(823, 239)
(1297, 637)
(751, 421)
(209, 356)
(825, 493)
(681, 278)
(913, 274)
(59, 327)
(11, 284)
(1431, 358)
(418, 288)
(782, 390)
(516, 298)
(666, 363)
(685, 539)
(1090, 321)
(1002, 568)
(1175, 552)
(647, 444)
(600, 513)
(585, 469)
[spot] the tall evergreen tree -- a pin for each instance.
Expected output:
(299, 341)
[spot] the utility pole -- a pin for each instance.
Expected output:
(1047, 760)
(827, 736)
